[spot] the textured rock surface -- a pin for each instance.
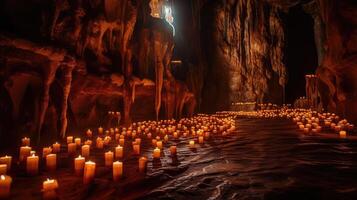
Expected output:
(245, 61)
(85, 58)
(337, 72)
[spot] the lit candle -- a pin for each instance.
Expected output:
(159, 144)
(343, 134)
(119, 152)
(77, 141)
(69, 139)
(26, 141)
(173, 150)
(121, 141)
(136, 148)
(192, 144)
(49, 188)
(89, 133)
(138, 141)
(143, 164)
(100, 130)
(108, 157)
(79, 165)
(107, 140)
(32, 165)
(200, 139)
(117, 170)
(157, 153)
(88, 142)
(154, 141)
(86, 150)
(175, 135)
(72, 148)
(89, 172)
(166, 138)
(46, 151)
(3, 169)
(51, 162)
(56, 147)
(7, 161)
(24, 152)
(100, 143)
(5, 184)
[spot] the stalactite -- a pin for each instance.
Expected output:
(48, 78)
(67, 82)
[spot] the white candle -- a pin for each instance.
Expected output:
(119, 152)
(192, 144)
(157, 153)
(86, 151)
(173, 150)
(24, 152)
(136, 149)
(26, 141)
(51, 162)
(49, 188)
(100, 130)
(72, 148)
(143, 164)
(3, 169)
(32, 165)
(100, 143)
(69, 139)
(117, 170)
(56, 147)
(7, 161)
(89, 133)
(78, 141)
(46, 151)
(108, 156)
(89, 172)
(121, 141)
(79, 165)
(159, 144)
(200, 139)
(5, 184)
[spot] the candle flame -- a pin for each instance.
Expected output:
(2, 177)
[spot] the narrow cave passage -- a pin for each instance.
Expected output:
(301, 52)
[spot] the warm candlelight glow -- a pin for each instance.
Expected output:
(49, 188)
(108, 157)
(51, 162)
(157, 153)
(5, 185)
(7, 161)
(86, 151)
(32, 165)
(142, 164)
(24, 153)
(118, 152)
(117, 170)
(89, 172)
(79, 165)
(56, 147)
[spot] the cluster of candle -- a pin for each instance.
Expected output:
(113, 142)
(306, 120)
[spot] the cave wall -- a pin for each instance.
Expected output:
(337, 72)
(85, 58)
(244, 49)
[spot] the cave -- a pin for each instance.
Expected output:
(301, 52)
(178, 99)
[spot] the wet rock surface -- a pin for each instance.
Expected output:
(264, 159)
